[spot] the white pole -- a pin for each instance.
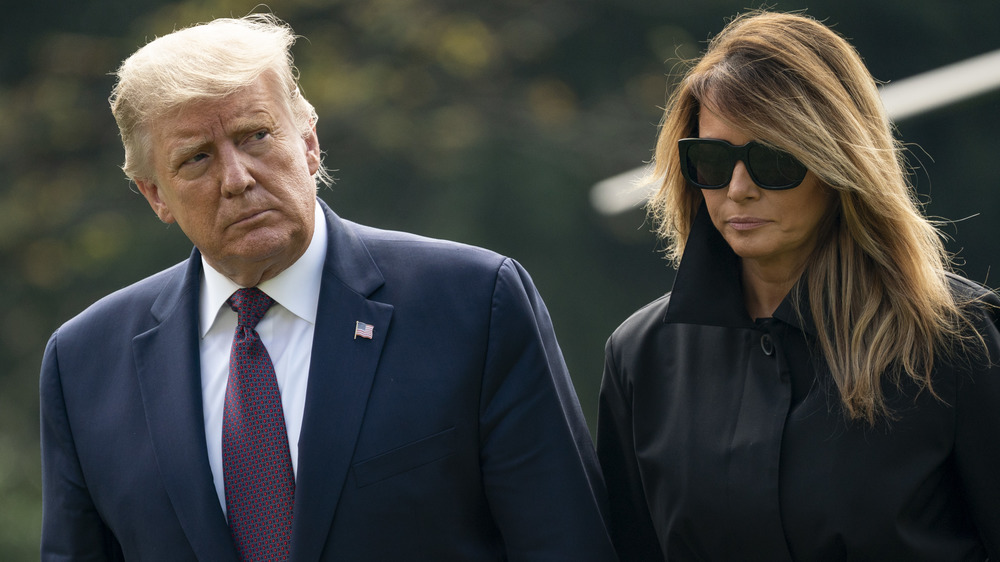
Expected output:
(902, 99)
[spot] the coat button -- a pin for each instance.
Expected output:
(767, 345)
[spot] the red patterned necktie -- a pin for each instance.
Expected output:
(257, 467)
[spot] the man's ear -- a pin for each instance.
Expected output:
(313, 156)
(151, 192)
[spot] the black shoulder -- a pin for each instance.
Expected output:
(641, 323)
(966, 289)
(971, 295)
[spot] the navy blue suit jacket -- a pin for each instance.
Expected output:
(453, 434)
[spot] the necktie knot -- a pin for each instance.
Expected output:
(250, 304)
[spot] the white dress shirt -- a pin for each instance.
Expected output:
(286, 331)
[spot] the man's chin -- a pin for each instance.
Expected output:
(259, 254)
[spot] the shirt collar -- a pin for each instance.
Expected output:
(296, 288)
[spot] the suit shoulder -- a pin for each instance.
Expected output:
(114, 309)
(416, 251)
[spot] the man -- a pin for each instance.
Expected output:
(302, 387)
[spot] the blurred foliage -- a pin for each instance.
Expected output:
(485, 123)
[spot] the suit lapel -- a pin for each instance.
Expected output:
(169, 371)
(340, 378)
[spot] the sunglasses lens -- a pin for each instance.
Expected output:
(774, 168)
(709, 165)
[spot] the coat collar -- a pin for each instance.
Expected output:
(168, 368)
(708, 289)
(340, 378)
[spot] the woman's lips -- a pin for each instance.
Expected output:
(746, 223)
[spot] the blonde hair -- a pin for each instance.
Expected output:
(210, 60)
(878, 280)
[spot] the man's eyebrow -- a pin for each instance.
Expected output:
(192, 142)
(252, 121)
(184, 147)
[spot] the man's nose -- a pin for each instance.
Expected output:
(236, 176)
(741, 186)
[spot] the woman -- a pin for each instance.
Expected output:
(817, 385)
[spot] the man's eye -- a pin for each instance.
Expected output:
(260, 135)
(196, 158)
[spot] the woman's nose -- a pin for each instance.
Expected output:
(741, 186)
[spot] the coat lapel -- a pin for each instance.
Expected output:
(169, 371)
(340, 378)
(709, 267)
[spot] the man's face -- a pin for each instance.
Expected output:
(236, 174)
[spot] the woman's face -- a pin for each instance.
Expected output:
(774, 230)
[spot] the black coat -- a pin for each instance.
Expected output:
(723, 438)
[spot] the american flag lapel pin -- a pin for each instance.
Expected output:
(363, 330)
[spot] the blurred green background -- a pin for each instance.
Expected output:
(483, 122)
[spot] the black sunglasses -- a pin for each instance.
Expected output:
(709, 163)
